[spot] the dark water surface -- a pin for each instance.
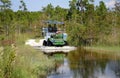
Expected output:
(86, 64)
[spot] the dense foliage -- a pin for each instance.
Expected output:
(93, 24)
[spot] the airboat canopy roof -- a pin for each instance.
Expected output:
(53, 22)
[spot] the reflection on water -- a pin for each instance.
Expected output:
(83, 64)
(63, 71)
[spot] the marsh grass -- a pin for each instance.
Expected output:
(30, 63)
(7, 57)
(21, 38)
(23, 61)
(105, 49)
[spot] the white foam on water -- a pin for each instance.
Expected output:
(32, 42)
(47, 49)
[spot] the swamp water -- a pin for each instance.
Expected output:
(86, 64)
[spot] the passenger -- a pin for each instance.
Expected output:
(54, 28)
(59, 30)
(49, 28)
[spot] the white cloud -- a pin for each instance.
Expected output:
(110, 3)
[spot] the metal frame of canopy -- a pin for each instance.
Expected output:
(53, 22)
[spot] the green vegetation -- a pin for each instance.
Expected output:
(104, 49)
(85, 23)
(7, 57)
(93, 25)
(24, 62)
(32, 63)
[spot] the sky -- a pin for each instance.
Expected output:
(37, 5)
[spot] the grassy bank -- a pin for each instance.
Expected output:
(104, 49)
(21, 61)
(24, 62)
(33, 62)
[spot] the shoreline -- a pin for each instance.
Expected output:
(104, 49)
